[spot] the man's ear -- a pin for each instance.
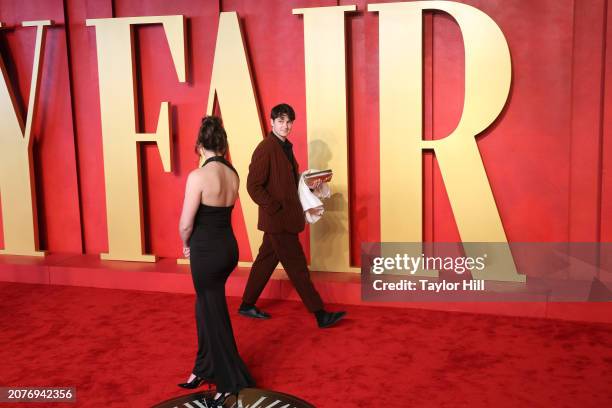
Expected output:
(271, 122)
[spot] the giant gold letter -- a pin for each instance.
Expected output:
(16, 176)
(232, 85)
(117, 105)
(325, 56)
(487, 82)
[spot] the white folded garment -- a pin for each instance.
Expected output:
(311, 203)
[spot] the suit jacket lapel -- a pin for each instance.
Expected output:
(279, 151)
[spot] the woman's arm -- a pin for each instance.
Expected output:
(193, 197)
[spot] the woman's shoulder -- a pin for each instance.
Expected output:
(197, 176)
(196, 173)
(207, 173)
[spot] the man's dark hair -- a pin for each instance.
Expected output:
(282, 109)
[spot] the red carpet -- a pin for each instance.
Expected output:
(129, 349)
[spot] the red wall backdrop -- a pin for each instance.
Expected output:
(548, 156)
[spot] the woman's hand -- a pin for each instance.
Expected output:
(186, 252)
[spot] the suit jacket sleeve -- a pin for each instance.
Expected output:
(259, 174)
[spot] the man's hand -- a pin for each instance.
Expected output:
(186, 252)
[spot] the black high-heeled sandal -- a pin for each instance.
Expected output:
(220, 400)
(196, 382)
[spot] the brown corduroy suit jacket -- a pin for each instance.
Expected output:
(271, 184)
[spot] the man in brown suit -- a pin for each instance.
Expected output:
(272, 183)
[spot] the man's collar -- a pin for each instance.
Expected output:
(281, 141)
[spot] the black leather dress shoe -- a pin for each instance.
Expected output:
(196, 382)
(253, 312)
(328, 319)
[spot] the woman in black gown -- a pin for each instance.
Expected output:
(209, 243)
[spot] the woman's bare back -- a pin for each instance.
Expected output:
(219, 185)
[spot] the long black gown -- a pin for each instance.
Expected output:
(214, 255)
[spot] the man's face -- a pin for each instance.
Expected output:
(282, 126)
